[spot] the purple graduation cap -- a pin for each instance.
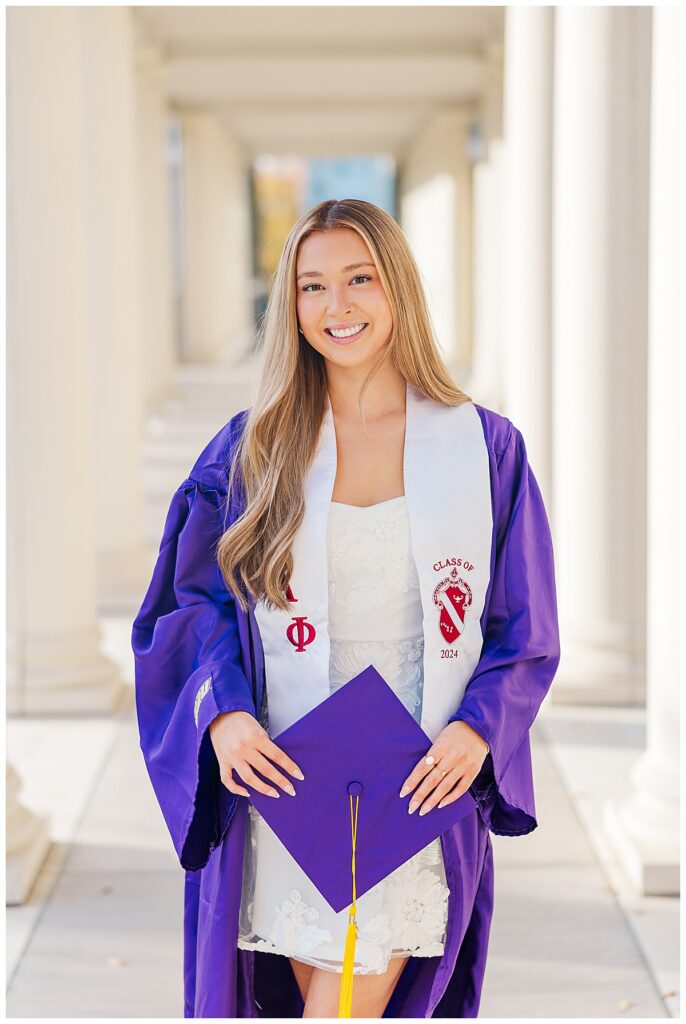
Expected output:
(346, 826)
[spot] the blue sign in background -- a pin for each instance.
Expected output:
(366, 177)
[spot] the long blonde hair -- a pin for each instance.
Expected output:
(282, 427)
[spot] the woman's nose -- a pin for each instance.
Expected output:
(337, 301)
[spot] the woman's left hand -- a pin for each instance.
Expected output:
(460, 752)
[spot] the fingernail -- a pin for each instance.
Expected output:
(404, 791)
(290, 790)
(272, 792)
(412, 808)
(424, 810)
(299, 775)
(441, 804)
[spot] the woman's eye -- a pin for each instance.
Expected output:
(358, 277)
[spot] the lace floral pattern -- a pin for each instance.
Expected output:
(294, 930)
(376, 542)
(373, 589)
(399, 661)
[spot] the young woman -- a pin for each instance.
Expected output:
(362, 511)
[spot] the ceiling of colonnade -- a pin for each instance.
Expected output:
(334, 80)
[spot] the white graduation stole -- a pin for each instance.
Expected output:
(448, 498)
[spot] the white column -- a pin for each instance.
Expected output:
(27, 844)
(464, 237)
(54, 659)
(436, 216)
(116, 337)
(158, 356)
(217, 301)
(600, 202)
(491, 336)
(526, 241)
(486, 153)
(645, 828)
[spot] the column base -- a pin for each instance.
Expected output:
(22, 868)
(599, 691)
(651, 862)
(605, 669)
(63, 675)
(123, 577)
(28, 843)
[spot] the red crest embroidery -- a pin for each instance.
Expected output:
(453, 596)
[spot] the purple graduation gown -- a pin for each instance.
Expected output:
(190, 629)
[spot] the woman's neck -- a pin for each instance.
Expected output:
(385, 396)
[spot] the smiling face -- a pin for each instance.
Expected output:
(338, 287)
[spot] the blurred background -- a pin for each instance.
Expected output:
(156, 159)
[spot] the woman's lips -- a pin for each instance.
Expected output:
(352, 337)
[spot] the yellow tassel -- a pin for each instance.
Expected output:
(345, 1003)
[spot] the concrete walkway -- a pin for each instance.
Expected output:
(102, 933)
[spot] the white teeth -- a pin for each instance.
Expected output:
(348, 332)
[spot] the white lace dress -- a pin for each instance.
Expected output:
(375, 617)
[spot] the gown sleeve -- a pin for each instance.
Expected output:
(521, 648)
(188, 670)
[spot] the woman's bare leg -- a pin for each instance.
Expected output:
(303, 973)
(371, 992)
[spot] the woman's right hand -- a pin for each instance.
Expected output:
(241, 744)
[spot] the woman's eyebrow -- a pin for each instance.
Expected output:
(351, 266)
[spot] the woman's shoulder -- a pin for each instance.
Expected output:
(499, 431)
(210, 469)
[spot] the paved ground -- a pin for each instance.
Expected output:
(101, 934)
